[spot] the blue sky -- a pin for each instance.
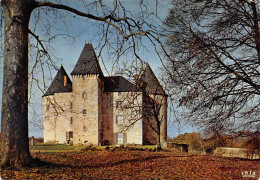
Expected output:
(67, 50)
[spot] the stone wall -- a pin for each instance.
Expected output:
(85, 109)
(100, 111)
(107, 121)
(235, 152)
(163, 116)
(98, 117)
(57, 117)
(130, 110)
(149, 122)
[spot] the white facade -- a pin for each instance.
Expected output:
(96, 109)
(64, 113)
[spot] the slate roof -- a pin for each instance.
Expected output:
(87, 62)
(151, 83)
(118, 84)
(57, 85)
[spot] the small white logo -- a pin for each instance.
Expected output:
(249, 174)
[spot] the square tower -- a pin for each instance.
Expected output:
(86, 98)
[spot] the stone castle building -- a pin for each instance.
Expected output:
(93, 108)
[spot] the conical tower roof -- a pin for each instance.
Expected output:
(149, 81)
(87, 62)
(60, 84)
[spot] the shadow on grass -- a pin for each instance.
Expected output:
(81, 164)
(125, 161)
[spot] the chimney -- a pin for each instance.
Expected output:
(136, 83)
(65, 80)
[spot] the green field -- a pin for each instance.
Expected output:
(55, 147)
(63, 147)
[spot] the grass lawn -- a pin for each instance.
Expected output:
(54, 148)
(125, 164)
(63, 147)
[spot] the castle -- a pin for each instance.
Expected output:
(93, 108)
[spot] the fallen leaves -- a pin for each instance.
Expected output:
(133, 165)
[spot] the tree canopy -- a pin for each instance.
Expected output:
(213, 58)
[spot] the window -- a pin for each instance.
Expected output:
(71, 105)
(71, 120)
(135, 113)
(69, 137)
(71, 134)
(84, 128)
(120, 138)
(119, 120)
(47, 107)
(84, 112)
(84, 95)
(119, 104)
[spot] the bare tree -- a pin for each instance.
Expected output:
(152, 109)
(116, 22)
(252, 146)
(212, 69)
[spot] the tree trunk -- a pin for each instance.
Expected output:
(159, 133)
(14, 143)
(256, 28)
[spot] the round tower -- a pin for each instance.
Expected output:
(163, 114)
